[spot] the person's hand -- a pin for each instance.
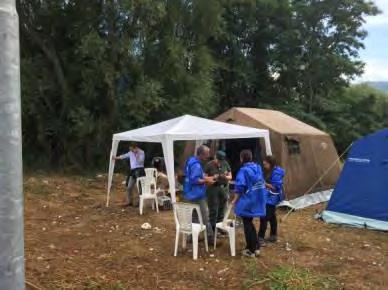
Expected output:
(209, 180)
(234, 200)
(228, 176)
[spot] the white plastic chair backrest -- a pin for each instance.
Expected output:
(151, 172)
(226, 214)
(183, 214)
(145, 184)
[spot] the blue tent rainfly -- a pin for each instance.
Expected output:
(360, 198)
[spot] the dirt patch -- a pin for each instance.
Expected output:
(74, 242)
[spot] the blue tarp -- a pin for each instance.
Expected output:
(362, 189)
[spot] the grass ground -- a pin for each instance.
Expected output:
(74, 242)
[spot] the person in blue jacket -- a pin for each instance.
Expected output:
(249, 200)
(194, 186)
(274, 184)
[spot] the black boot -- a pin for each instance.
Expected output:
(273, 239)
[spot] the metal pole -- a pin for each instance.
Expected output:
(11, 183)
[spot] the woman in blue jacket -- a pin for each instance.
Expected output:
(249, 200)
(275, 194)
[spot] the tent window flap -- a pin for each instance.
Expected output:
(293, 145)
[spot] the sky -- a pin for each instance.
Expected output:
(375, 54)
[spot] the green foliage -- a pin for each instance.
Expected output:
(290, 278)
(92, 285)
(354, 112)
(287, 278)
(92, 68)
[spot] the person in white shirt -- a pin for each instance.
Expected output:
(136, 158)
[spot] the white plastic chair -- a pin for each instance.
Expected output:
(152, 174)
(183, 215)
(229, 226)
(147, 192)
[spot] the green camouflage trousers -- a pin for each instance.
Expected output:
(217, 198)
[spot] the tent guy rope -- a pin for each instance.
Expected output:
(319, 179)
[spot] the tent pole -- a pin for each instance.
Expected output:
(11, 175)
(168, 152)
(111, 169)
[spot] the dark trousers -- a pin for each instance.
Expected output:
(131, 183)
(250, 234)
(271, 219)
(217, 198)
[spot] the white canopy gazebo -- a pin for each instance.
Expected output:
(180, 129)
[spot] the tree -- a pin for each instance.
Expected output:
(354, 112)
(92, 68)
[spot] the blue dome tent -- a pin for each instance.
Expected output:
(360, 197)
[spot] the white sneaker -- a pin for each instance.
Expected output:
(257, 253)
(248, 253)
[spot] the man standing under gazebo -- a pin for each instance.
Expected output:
(136, 158)
(218, 193)
(194, 187)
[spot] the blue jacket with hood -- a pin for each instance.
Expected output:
(276, 196)
(193, 172)
(250, 187)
